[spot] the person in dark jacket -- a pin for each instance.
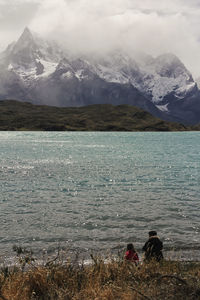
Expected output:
(153, 247)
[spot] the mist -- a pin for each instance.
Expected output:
(101, 26)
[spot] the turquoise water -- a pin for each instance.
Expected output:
(98, 190)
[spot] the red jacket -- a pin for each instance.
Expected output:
(132, 256)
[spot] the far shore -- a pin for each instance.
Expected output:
(24, 116)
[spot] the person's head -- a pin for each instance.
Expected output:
(152, 233)
(130, 247)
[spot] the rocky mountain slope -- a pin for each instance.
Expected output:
(39, 71)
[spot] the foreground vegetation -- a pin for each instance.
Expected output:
(16, 115)
(114, 279)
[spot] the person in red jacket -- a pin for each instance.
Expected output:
(131, 254)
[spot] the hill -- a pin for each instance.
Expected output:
(16, 115)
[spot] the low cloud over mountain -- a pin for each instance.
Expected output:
(93, 25)
(40, 71)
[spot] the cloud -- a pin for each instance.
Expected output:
(14, 16)
(152, 26)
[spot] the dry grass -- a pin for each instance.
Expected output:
(113, 280)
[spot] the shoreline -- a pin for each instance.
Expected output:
(64, 255)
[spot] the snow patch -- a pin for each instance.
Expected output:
(163, 108)
(80, 74)
(182, 91)
(10, 67)
(49, 67)
(30, 74)
(111, 75)
(67, 75)
(158, 87)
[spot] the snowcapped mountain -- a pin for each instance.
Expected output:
(31, 57)
(39, 71)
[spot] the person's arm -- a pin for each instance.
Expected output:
(145, 247)
(136, 258)
(161, 245)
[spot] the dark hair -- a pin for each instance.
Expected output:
(152, 233)
(130, 247)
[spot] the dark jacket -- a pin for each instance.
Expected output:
(153, 248)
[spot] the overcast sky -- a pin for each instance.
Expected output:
(154, 26)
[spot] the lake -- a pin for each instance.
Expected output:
(99, 190)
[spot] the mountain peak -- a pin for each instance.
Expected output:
(27, 30)
(25, 41)
(24, 50)
(169, 65)
(26, 35)
(168, 58)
